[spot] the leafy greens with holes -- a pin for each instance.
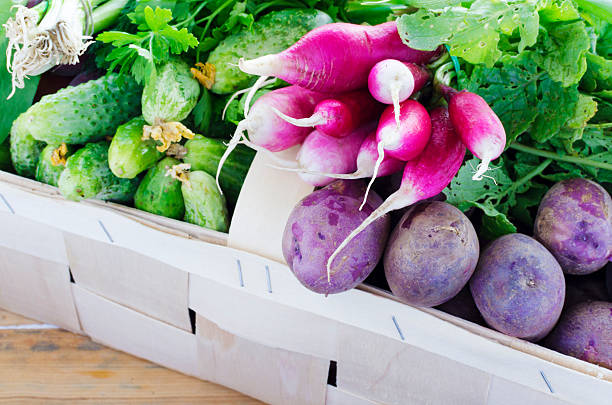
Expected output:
(545, 68)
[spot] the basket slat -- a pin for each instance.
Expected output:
(130, 279)
(265, 202)
(124, 329)
(37, 288)
(274, 376)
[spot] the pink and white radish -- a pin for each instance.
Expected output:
(479, 127)
(366, 160)
(336, 57)
(424, 177)
(328, 154)
(341, 115)
(391, 81)
(404, 141)
(266, 130)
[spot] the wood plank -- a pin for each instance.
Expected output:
(8, 318)
(55, 366)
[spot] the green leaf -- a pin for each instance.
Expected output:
(119, 38)
(463, 192)
(598, 75)
(604, 42)
(586, 107)
(494, 226)
(556, 105)
(202, 113)
(471, 33)
(557, 11)
(179, 41)
(426, 31)
(153, 44)
(158, 19)
(561, 52)
(600, 8)
(23, 98)
(432, 4)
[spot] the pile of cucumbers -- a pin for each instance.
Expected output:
(91, 140)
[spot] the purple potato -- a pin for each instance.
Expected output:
(573, 222)
(431, 254)
(518, 287)
(462, 305)
(585, 332)
(320, 222)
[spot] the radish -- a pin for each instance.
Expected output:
(391, 81)
(404, 141)
(324, 153)
(366, 160)
(476, 123)
(268, 132)
(341, 115)
(336, 57)
(424, 177)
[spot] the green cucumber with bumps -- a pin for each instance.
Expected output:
(129, 155)
(273, 33)
(205, 153)
(85, 113)
(47, 171)
(25, 150)
(160, 193)
(204, 204)
(87, 175)
(170, 93)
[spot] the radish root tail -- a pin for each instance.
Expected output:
(239, 92)
(312, 121)
(230, 147)
(396, 106)
(481, 169)
(397, 200)
(381, 156)
(258, 85)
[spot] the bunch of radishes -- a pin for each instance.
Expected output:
(339, 73)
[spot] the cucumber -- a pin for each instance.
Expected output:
(5, 156)
(25, 150)
(273, 33)
(161, 194)
(205, 153)
(87, 175)
(204, 205)
(170, 93)
(84, 113)
(47, 171)
(128, 154)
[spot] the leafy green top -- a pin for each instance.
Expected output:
(545, 68)
(154, 43)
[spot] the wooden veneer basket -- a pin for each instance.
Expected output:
(225, 308)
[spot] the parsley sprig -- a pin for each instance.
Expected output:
(154, 43)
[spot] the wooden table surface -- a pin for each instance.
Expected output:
(53, 366)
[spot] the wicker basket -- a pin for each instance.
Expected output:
(225, 308)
